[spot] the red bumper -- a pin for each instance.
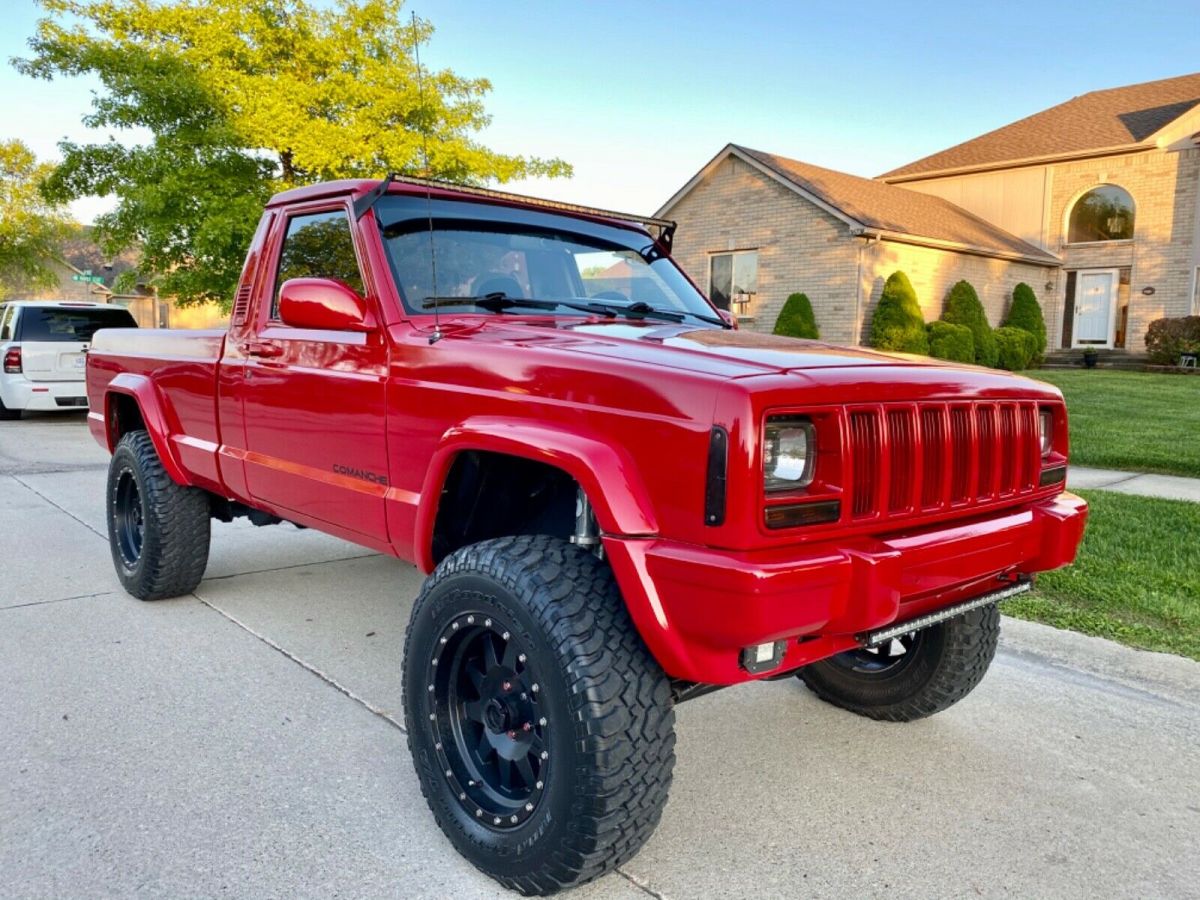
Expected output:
(697, 607)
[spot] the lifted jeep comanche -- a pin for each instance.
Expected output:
(621, 501)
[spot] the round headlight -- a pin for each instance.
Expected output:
(1046, 430)
(789, 450)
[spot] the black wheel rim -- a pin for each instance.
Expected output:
(129, 518)
(488, 722)
(888, 659)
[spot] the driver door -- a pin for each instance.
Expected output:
(314, 400)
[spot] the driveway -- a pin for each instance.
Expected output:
(245, 741)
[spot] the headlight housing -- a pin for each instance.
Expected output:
(1046, 430)
(789, 453)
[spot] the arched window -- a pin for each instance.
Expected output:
(1104, 213)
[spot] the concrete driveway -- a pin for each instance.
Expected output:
(245, 742)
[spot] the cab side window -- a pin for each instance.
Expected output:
(318, 245)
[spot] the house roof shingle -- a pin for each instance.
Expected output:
(1115, 117)
(880, 206)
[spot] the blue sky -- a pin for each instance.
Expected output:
(638, 96)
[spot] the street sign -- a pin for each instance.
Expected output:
(90, 279)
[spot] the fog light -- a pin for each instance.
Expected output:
(763, 657)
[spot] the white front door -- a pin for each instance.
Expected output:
(1095, 302)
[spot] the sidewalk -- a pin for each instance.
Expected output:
(1170, 487)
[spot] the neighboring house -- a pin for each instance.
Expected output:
(1095, 203)
(82, 275)
(754, 228)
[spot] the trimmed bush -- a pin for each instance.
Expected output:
(1167, 338)
(898, 323)
(1015, 347)
(796, 318)
(963, 308)
(952, 342)
(1026, 314)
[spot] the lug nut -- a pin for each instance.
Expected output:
(513, 820)
(504, 636)
(539, 785)
(528, 807)
(534, 688)
(478, 813)
(542, 721)
(521, 658)
(545, 755)
(496, 821)
(487, 622)
(470, 620)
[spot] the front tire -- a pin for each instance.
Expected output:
(158, 530)
(914, 676)
(541, 728)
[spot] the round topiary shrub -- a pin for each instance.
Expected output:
(796, 318)
(898, 323)
(1167, 338)
(963, 308)
(1015, 347)
(952, 342)
(1026, 314)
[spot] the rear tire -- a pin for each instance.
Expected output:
(158, 530)
(541, 728)
(8, 415)
(940, 665)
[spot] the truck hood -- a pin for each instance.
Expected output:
(722, 353)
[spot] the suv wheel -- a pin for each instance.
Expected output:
(158, 530)
(913, 676)
(541, 728)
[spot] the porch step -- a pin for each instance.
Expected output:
(1105, 359)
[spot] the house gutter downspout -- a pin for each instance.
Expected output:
(868, 239)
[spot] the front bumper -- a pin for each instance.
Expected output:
(18, 392)
(697, 607)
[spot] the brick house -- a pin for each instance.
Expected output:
(1095, 203)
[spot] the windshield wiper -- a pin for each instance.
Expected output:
(643, 310)
(498, 301)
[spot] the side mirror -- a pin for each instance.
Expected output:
(323, 304)
(729, 317)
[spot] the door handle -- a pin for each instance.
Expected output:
(264, 349)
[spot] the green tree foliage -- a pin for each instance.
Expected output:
(1026, 314)
(796, 319)
(31, 228)
(952, 342)
(898, 323)
(963, 308)
(1015, 348)
(244, 98)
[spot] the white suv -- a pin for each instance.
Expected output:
(44, 349)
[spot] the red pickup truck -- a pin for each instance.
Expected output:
(622, 501)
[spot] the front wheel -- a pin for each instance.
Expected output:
(541, 728)
(912, 676)
(158, 530)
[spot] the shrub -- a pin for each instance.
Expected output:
(1167, 338)
(963, 308)
(1015, 347)
(898, 323)
(796, 318)
(1026, 314)
(952, 342)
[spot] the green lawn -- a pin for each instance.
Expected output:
(1137, 579)
(1137, 421)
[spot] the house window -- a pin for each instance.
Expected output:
(1104, 213)
(733, 278)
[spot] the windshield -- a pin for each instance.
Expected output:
(481, 249)
(56, 323)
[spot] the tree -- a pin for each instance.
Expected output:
(31, 229)
(898, 323)
(244, 98)
(796, 319)
(1026, 313)
(963, 308)
(1015, 348)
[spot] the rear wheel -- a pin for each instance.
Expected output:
(158, 530)
(914, 675)
(6, 414)
(540, 726)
